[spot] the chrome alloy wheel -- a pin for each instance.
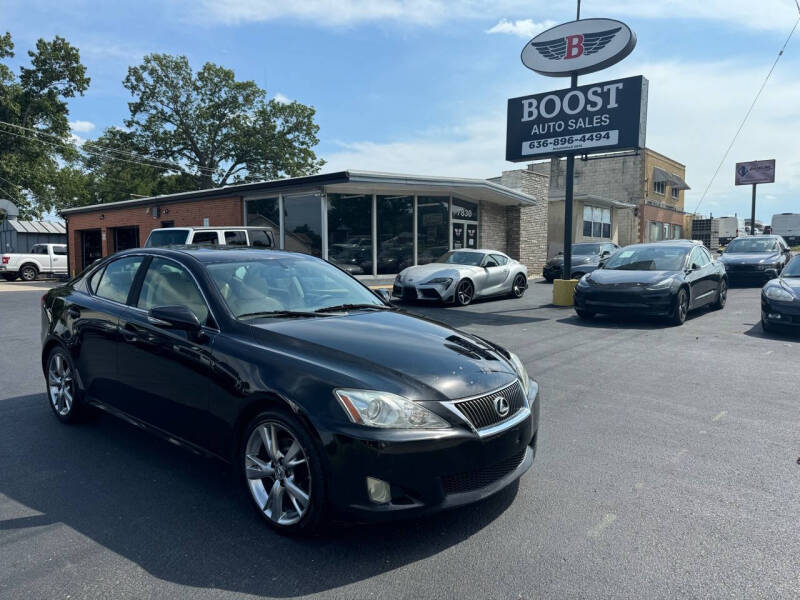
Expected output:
(519, 286)
(278, 473)
(60, 384)
(464, 292)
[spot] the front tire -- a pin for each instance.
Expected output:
(722, 296)
(281, 469)
(586, 315)
(766, 326)
(519, 285)
(465, 292)
(681, 309)
(28, 273)
(62, 390)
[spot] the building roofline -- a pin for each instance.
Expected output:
(337, 177)
(665, 157)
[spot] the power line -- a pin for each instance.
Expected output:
(749, 110)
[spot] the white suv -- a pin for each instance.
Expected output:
(257, 237)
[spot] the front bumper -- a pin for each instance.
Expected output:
(552, 271)
(750, 274)
(437, 292)
(780, 313)
(629, 301)
(428, 471)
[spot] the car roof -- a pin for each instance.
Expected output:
(669, 243)
(210, 227)
(210, 254)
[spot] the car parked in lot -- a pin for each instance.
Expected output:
(756, 258)
(257, 237)
(780, 299)
(460, 276)
(325, 398)
(43, 259)
(665, 279)
(585, 258)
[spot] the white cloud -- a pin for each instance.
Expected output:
(774, 15)
(524, 28)
(81, 126)
(694, 110)
(281, 99)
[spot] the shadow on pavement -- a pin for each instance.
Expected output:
(627, 321)
(781, 334)
(180, 516)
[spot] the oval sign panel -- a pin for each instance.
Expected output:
(578, 47)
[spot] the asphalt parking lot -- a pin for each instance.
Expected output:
(667, 467)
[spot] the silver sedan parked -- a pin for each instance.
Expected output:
(460, 276)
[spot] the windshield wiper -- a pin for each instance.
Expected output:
(342, 307)
(278, 313)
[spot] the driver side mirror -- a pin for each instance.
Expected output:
(384, 294)
(605, 253)
(175, 317)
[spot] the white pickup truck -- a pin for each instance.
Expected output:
(43, 259)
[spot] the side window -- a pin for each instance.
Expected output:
(699, 258)
(116, 281)
(94, 280)
(168, 284)
(500, 260)
(489, 261)
(260, 239)
(39, 249)
(235, 238)
(707, 255)
(206, 238)
(60, 250)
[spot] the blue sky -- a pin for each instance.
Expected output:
(420, 85)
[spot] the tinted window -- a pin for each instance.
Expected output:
(235, 238)
(586, 249)
(168, 284)
(395, 220)
(260, 239)
(117, 278)
(648, 258)
(38, 249)
(490, 262)
(792, 269)
(206, 238)
(699, 257)
(159, 239)
(350, 230)
(95, 279)
(500, 260)
(60, 250)
(302, 222)
(432, 224)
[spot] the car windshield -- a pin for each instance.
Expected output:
(648, 258)
(792, 269)
(286, 284)
(747, 246)
(586, 249)
(456, 257)
(166, 237)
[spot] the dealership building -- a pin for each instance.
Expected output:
(378, 223)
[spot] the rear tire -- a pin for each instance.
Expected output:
(548, 279)
(681, 308)
(28, 273)
(722, 296)
(288, 492)
(62, 389)
(586, 315)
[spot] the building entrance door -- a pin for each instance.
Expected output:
(91, 247)
(465, 235)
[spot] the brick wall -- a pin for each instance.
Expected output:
(218, 211)
(492, 226)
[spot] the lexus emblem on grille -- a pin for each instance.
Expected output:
(501, 406)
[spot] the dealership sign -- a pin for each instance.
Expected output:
(578, 47)
(590, 118)
(756, 171)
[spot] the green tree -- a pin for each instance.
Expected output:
(36, 145)
(219, 129)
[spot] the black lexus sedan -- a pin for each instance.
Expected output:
(325, 398)
(755, 258)
(780, 299)
(666, 279)
(585, 258)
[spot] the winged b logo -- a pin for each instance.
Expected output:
(573, 46)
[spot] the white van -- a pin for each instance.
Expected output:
(788, 226)
(257, 237)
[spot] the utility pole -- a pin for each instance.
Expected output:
(753, 213)
(566, 272)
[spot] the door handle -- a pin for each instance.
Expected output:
(74, 312)
(129, 333)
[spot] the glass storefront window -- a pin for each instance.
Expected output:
(432, 238)
(302, 221)
(596, 222)
(264, 213)
(350, 232)
(395, 219)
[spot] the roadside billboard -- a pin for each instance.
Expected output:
(755, 171)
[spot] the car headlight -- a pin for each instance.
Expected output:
(775, 292)
(387, 410)
(444, 280)
(521, 371)
(583, 282)
(661, 285)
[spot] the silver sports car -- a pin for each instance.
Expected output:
(460, 276)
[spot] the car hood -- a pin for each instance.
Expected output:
(750, 258)
(393, 351)
(792, 283)
(622, 277)
(422, 273)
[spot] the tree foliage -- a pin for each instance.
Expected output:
(30, 162)
(221, 130)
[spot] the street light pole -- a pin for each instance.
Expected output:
(566, 271)
(753, 213)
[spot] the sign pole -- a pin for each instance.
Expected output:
(753, 213)
(566, 270)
